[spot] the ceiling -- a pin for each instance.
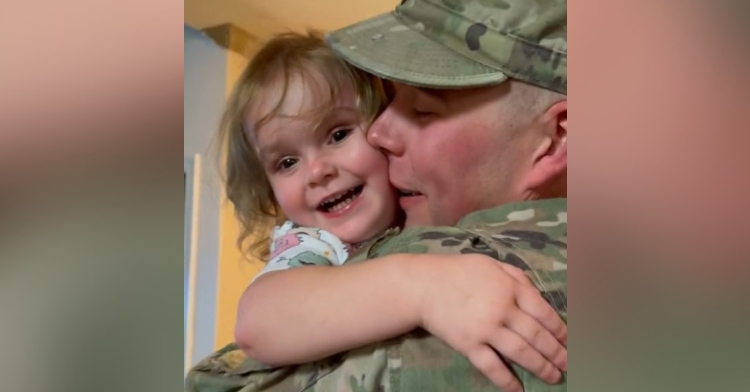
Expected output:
(264, 17)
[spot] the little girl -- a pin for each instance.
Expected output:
(298, 159)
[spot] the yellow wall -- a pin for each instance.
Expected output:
(235, 271)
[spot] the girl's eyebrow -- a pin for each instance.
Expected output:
(267, 153)
(338, 114)
(270, 149)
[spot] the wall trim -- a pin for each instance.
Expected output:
(233, 38)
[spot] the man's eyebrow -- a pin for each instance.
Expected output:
(434, 93)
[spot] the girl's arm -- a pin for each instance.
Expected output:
(308, 313)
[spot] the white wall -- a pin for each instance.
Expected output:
(235, 269)
(205, 84)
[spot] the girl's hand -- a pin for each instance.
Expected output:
(484, 308)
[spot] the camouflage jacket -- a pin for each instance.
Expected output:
(529, 235)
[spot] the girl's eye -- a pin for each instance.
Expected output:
(286, 163)
(339, 135)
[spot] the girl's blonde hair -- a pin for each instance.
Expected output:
(280, 59)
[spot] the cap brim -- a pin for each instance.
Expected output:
(389, 48)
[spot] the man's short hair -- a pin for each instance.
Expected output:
(462, 43)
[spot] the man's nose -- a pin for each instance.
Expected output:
(321, 171)
(384, 133)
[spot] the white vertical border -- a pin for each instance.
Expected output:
(192, 170)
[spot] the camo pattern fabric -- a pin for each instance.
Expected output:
(530, 235)
(521, 39)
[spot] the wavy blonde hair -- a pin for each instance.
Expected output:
(284, 56)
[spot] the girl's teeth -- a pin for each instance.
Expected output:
(333, 199)
(341, 205)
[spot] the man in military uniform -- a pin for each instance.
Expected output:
(476, 135)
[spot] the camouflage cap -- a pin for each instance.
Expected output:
(462, 43)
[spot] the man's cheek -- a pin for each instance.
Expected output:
(424, 165)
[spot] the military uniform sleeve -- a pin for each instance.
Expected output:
(229, 370)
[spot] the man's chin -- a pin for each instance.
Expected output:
(417, 218)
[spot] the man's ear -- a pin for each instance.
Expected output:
(550, 158)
